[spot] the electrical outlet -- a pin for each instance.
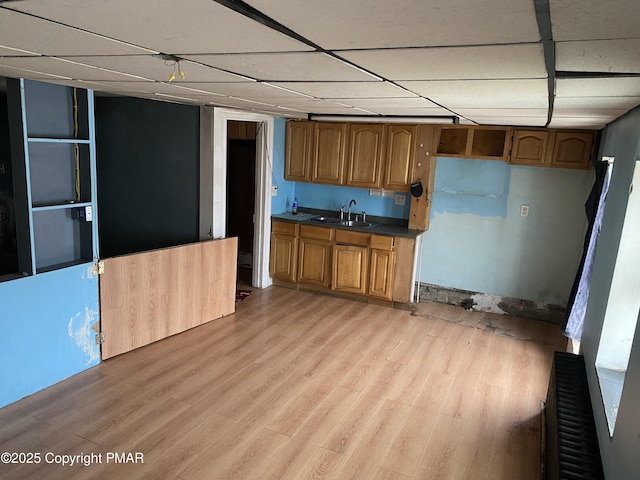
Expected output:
(401, 200)
(524, 210)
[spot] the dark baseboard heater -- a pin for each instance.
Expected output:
(571, 441)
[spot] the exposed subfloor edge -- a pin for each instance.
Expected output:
(483, 302)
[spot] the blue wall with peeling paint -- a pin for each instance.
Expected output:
(478, 241)
(45, 330)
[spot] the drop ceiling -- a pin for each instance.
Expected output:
(480, 61)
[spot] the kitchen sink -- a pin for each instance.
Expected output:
(326, 219)
(345, 223)
(356, 223)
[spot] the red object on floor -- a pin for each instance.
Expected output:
(241, 295)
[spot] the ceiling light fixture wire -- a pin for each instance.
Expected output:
(176, 68)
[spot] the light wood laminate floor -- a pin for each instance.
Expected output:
(296, 385)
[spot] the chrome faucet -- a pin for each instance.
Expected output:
(352, 202)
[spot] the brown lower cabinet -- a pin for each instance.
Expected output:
(382, 267)
(349, 269)
(284, 251)
(314, 255)
(343, 261)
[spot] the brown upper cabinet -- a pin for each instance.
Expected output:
(329, 152)
(400, 157)
(553, 148)
(366, 147)
(572, 149)
(490, 143)
(529, 147)
(366, 155)
(298, 151)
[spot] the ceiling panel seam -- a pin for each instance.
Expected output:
(247, 10)
(543, 16)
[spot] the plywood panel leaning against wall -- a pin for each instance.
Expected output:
(149, 296)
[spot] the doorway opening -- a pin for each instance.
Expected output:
(241, 188)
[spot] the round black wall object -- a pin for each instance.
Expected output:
(416, 189)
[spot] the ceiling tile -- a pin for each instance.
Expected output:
(599, 56)
(399, 103)
(594, 19)
(155, 68)
(483, 93)
(64, 68)
(503, 112)
(188, 26)
(596, 87)
(602, 115)
(597, 103)
(459, 63)
(347, 89)
(577, 122)
(19, 72)
(248, 90)
(54, 39)
(527, 121)
(294, 66)
(339, 24)
(10, 52)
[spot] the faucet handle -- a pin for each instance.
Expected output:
(342, 212)
(364, 216)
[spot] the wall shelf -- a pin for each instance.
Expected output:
(57, 145)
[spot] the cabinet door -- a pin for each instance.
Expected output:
(313, 262)
(572, 149)
(298, 151)
(329, 151)
(381, 277)
(349, 269)
(284, 253)
(400, 155)
(529, 147)
(365, 155)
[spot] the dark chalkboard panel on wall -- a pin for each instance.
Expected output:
(148, 174)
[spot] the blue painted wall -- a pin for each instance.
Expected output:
(478, 241)
(286, 190)
(332, 197)
(45, 330)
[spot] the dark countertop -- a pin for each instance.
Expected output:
(381, 225)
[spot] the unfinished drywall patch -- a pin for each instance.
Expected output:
(471, 186)
(482, 302)
(533, 258)
(81, 330)
(39, 345)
